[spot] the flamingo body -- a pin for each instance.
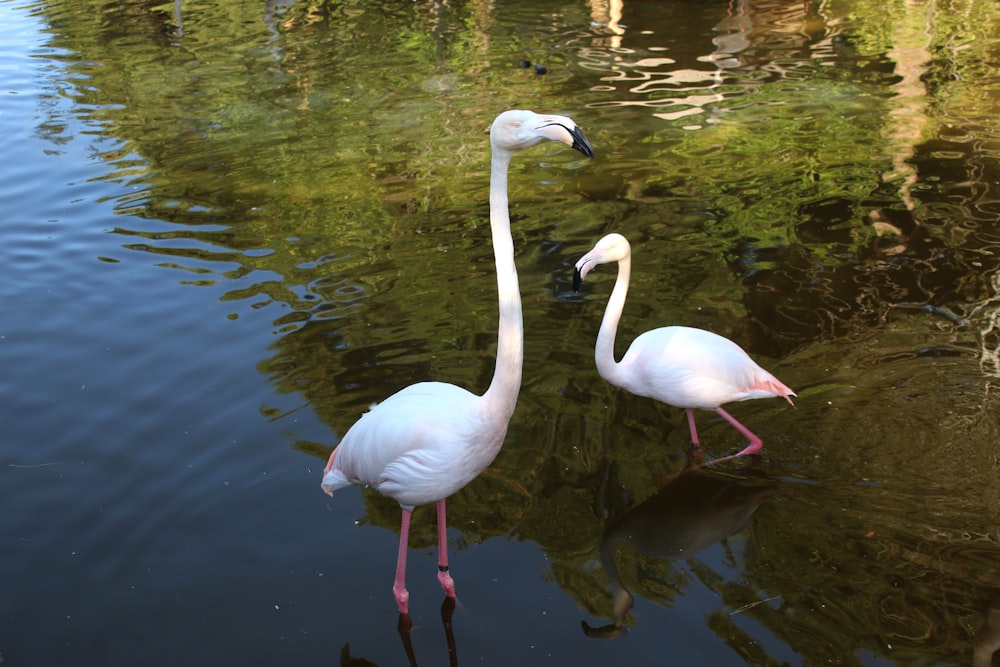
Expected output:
(693, 368)
(422, 454)
(428, 440)
(681, 366)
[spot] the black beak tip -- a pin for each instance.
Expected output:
(580, 142)
(577, 280)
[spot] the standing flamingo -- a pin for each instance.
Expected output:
(680, 366)
(430, 439)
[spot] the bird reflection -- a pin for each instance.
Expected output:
(346, 660)
(694, 509)
(404, 627)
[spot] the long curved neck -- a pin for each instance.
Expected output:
(502, 393)
(604, 351)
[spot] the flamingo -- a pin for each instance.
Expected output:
(681, 366)
(430, 439)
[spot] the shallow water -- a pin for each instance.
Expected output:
(228, 230)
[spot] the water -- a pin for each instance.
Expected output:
(228, 230)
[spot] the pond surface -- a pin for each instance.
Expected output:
(229, 228)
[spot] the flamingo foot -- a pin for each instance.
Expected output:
(755, 442)
(752, 448)
(447, 583)
(402, 598)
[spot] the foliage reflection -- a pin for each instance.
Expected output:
(818, 181)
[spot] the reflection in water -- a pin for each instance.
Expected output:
(987, 640)
(908, 123)
(696, 508)
(297, 194)
(716, 77)
(347, 660)
(607, 15)
(989, 360)
(405, 625)
(404, 628)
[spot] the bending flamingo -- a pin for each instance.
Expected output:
(681, 366)
(430, 439)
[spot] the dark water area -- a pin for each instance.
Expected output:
(230, 228)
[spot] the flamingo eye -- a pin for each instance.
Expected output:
(517, 125)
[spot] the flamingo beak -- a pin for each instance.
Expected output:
(567, 132)
(581, 270)
(580, 142)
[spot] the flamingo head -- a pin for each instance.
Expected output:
(611, 248)
(519, 129)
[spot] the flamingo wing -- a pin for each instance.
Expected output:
(693, 368)
(418, 446)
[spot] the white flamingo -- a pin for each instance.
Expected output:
(430, 439)
(680, 366)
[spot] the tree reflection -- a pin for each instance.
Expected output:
(322, 168)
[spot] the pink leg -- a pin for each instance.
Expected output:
(694, 431)
(447, 583)
(755, 442)
(399, 585)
